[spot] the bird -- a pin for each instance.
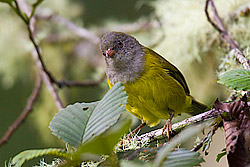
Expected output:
(156, 89)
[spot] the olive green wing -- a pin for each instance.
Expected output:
(171, 70)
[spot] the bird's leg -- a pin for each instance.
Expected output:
(168, 125)
(136, 130)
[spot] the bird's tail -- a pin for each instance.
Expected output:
(197, 107)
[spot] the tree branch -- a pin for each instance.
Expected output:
(62, 83)
(46, 75)
(158, 134)
(28, 108)
(82, 32)
(236, 140)
(219, 26)
(48, 83)
(77, 30)
(92, 37)
(30, 22)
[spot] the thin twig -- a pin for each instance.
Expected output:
(62, 83)
(79, 31)
(19, 12)
(46, 76)
(241, 58)
(48, 83)
(31, 28)
(92, 37)
(39, 54)
(210, 133)
(219, 26)
(45, 73)
(74, 28)
(28, 108)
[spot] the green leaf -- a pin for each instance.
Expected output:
(104, 143)
(178, 158)
(106, 112)
(27, 155)
(183, 136)
(237, 79)
(182, 157)
(81, 122)
(69, 124)
(219, 156)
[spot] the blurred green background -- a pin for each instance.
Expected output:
(178, 30)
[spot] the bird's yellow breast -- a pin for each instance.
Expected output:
(155, 92)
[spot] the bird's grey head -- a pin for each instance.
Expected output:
(124, 56)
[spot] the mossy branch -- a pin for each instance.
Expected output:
(139, 141)
(220, 27)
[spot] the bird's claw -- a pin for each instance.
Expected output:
(168, 128)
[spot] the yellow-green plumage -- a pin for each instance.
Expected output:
(154, 86)
(152, 95)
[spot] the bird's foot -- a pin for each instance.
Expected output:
(167, 127)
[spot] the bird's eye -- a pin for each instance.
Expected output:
(104, 54)
(120, 44)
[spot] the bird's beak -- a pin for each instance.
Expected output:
(110, 52)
